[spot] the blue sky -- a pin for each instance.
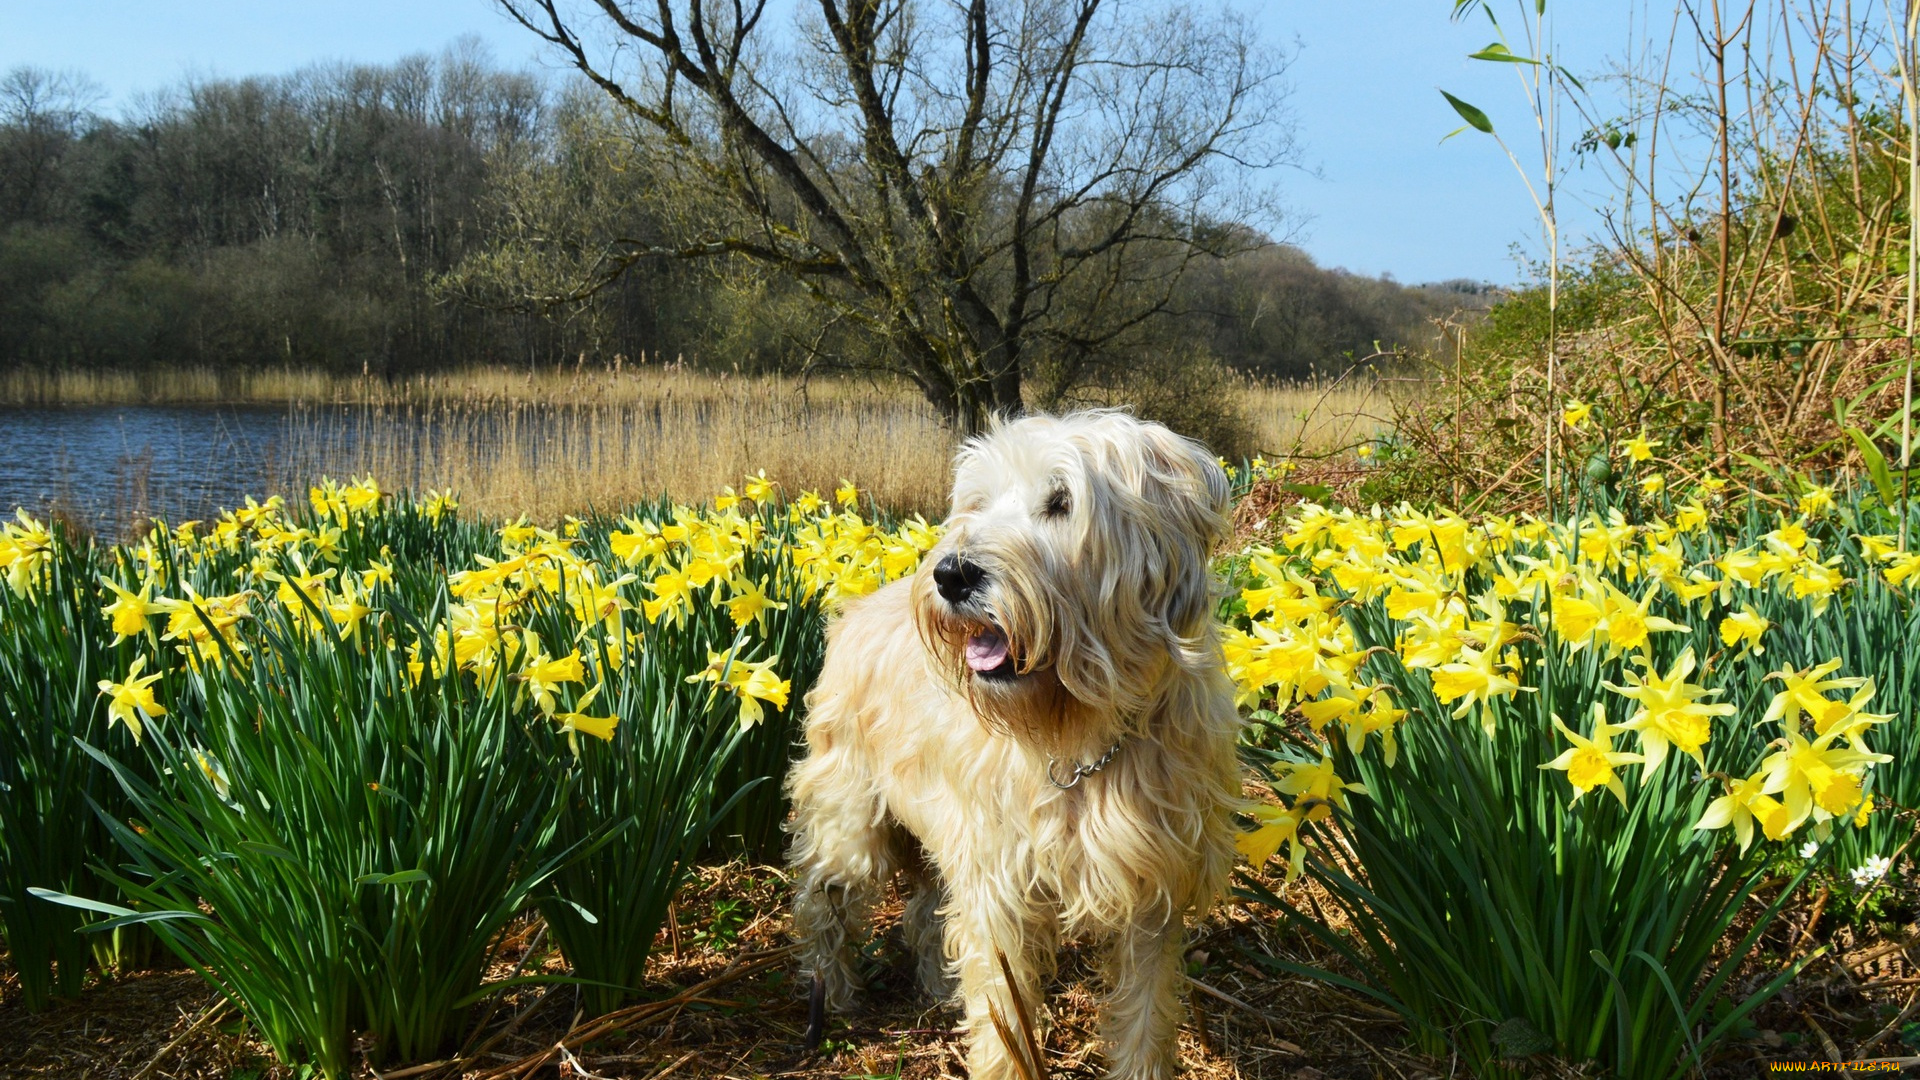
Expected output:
(1380, 193)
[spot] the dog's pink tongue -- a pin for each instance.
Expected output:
(986, 650)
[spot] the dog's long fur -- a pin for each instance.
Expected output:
(1092, 531)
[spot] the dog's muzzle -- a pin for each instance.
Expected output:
(988, 653)
(957, 579)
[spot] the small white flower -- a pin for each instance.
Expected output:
(1875, 869)
(1809, 849)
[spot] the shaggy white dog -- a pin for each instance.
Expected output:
(1037, 731)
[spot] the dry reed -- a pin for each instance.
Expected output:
(1317, 420)
(549, 455)
(564, 440)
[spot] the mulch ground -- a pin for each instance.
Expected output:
(727, 1001)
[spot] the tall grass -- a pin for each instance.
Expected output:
(568, 440)
(546, 458)
(166, 386)
(564, 442)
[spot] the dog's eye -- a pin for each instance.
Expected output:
(1059, 504)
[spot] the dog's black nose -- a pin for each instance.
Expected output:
(956, 578)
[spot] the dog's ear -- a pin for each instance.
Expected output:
(1191, 498)
(1198, 485)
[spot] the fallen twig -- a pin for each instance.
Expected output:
(1826, 1040)
(579, 1035)
(411, 1070)
(1270, 1019)
(1024, 1049)
(573, 1063)
(1885, 948)
(1893, 1025)
(1813, 920)
(213, 1011)
(683, 1059)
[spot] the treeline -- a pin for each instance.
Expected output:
(353, 217)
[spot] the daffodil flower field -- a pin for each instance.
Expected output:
(326, 753)
(1548, 762)
(1532, 771)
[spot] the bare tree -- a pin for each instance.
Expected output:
(41, 114)
(1002, 193)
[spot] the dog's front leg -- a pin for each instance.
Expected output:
(980, 928)
(843, 853)
(1141, 1020)
(924, 928)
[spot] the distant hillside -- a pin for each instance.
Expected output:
(1272, 312)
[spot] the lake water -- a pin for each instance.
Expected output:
(111, 466)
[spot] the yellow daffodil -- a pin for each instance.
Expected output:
(1477, 678)
(1815, 778)
(1318, 789)
(542, 675)
(1690, 516)
(1574, 620)
(749, 603)
(642, 544)
(516, 535)
(758, 487)
(203, 625)
(672, 594)
(1901, 566)
(1626, 623)
(1671, 713)
(130, 611)
(750, 681)
(439, 506)
(1878, 548)
(1340, 701)
(131, 701)
(1818, 582)
(378, 572)
(578, 721)
(1736, 808)
(1806, 692)
(1852, 720)
(1789, 539)
(1816, 500)
(1639, 448)
(216, 775)
(1744, 628)
(1380, 716)
(1576, 414)
(347, 612)
(1274, 825)
(1591, 760)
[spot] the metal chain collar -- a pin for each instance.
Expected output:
(1081, 772)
